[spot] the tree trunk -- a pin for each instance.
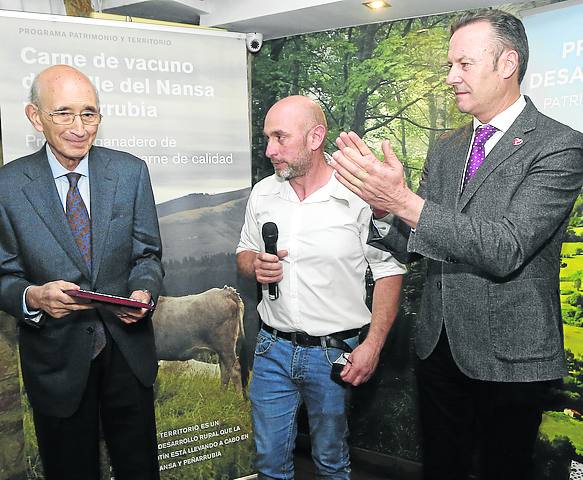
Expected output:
(366, 45)
(403, 142)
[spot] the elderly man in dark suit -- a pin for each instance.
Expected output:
(75, 216)
(489, 217)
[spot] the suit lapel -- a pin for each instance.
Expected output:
(502, 151)
(455, 158)
(42, 194)
(103, 183)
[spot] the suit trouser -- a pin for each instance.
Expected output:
(69, 447)
(462, 417)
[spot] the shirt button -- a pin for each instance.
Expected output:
(90, 330)
(438, 285)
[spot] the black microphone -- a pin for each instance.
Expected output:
(269, 233)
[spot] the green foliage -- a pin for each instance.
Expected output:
(574, 268)
(575, 299)
(553, 457)
(384, 80)
(576, 219)
(559, 425)
(571, 278)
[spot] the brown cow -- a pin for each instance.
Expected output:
(209, 320)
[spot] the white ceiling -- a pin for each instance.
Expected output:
(281, 18)
(272, 18)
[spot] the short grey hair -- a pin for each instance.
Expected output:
(508, 33)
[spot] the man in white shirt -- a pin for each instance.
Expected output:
(489, 217)
(321, 310)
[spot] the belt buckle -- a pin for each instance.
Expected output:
(294, 338)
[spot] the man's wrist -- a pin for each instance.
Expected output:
(150, 296)
(374, 344)
(408, 207)
(29, 305)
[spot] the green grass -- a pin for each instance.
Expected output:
(569, 248)
(574, 341)
(184, 399)
(567, 285)
(573, 264)
(187, 399)
(557, 424)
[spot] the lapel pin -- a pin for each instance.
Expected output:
(517, 141)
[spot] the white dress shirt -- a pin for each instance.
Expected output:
(503, 121)
(62, 184)
(323, 286)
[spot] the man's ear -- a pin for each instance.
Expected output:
(317, 137)
(510, 63)
(33, 115)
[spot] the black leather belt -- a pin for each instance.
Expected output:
(334, 340)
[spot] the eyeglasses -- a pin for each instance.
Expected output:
(67, 118)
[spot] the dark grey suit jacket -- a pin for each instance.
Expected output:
(493, 252)
(37, 246)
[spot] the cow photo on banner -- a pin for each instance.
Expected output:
(167, 94)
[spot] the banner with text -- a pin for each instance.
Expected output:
(554, 79)
(177, 98)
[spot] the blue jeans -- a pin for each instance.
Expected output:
(284, 377)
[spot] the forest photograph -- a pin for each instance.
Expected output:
(386, 81)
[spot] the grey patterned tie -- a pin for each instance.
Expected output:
(80, 224)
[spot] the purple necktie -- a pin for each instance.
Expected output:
(478, 153)
(80, 224)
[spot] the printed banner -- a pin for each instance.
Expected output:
(554, 79)
(178, 99)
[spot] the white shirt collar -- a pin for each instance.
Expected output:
(332, 188)
(506, 118)
(60, 171)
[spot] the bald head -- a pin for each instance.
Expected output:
(302, 110)
(62, 100)
(47, 80)
(295, 128)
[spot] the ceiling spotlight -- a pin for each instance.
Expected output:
(376, 4)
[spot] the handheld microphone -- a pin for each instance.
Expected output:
(269, 233)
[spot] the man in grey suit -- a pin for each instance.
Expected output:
(76, 216)
(489, 217)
